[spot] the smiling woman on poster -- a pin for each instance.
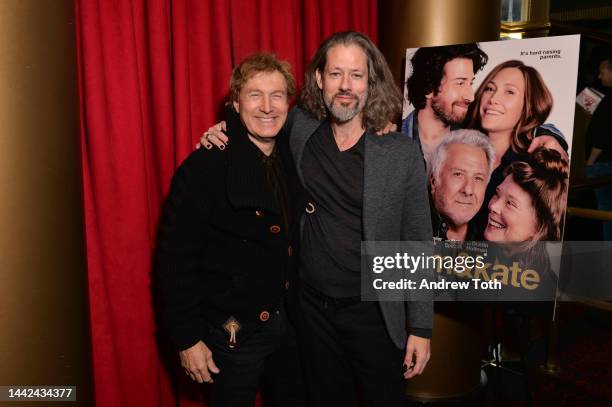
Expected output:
(525, 212)
(509, 106)
(529, 204)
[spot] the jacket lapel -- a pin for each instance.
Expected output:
(297, 193)
(303, 126)
(374, 182)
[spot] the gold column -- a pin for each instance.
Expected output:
(44, 331)
(423, 23)
(454, 369)
(453, 372)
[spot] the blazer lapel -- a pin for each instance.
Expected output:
(303, 126)
(374, 182)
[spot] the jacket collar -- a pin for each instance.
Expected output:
(246, 179)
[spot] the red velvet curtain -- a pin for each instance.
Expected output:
(153, 77)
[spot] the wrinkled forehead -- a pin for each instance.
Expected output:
(264, 80)
(510, 187)
(467, 158)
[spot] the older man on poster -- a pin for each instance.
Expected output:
(459, 171)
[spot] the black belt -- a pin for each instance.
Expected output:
(332, 300)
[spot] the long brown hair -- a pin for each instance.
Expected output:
(537, 104)
(384, 104)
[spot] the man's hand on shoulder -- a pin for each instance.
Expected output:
(214, 136)
(389, 128)
(417, 356)
(198, 363)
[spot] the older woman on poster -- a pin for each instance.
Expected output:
(529, 204)
(525, 212)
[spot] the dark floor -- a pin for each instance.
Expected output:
(584, 355)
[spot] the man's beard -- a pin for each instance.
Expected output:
(343, 114)
(446, 116)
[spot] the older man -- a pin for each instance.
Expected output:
(459, 171)
(225, 259)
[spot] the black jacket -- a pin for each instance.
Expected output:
(222, 252)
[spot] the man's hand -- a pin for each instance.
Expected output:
(548, 142)
(417, 356)
(198, 363)
(214, 135)
(387, 129)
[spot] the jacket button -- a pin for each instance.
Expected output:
(289, 251)
(310, 208)
(264, 316)
(274, 229)
(259, 214)
(286, 285)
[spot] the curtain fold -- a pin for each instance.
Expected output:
(153, 76)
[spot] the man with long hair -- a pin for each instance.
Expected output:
(349, 93)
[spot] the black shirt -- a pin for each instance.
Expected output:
(331, 240)
(440, 226)
(277, 181)
(599, 133)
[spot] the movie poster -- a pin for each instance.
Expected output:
(494, 121)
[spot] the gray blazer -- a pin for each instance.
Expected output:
(395, 206)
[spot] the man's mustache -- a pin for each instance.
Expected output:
(464, 104)
(345, 94)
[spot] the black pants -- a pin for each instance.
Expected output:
(346, 345)
(268, 360)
